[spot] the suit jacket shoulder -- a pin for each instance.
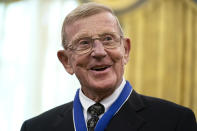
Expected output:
(163, 105)
(179, 118)
(144, 113)
(55, 119)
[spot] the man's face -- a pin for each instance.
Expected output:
(102, 69)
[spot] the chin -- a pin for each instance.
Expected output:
(103, 85)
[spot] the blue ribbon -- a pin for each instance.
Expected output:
(79, 120)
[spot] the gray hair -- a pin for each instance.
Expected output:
(83, 11)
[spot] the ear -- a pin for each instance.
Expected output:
(64, 59)
(127, 46)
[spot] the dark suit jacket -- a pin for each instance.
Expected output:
(139, 113)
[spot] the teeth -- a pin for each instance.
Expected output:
(99, 68)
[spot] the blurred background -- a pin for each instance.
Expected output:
(163, 59)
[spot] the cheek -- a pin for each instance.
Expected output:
(118, 59)
(117, 56)
(79, 63)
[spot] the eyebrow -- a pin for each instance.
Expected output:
(82, 36)
(85, 35)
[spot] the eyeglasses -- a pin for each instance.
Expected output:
(84, 45)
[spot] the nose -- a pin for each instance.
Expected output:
(98, 50)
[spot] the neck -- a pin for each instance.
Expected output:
(97, 95)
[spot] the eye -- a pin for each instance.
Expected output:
(83, 42)
(107, 38)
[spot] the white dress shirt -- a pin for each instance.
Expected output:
(107, 102)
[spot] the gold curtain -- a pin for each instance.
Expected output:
(163, 59)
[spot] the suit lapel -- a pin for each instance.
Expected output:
(64, 121)
(127, 118)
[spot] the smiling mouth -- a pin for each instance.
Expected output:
(100, 68)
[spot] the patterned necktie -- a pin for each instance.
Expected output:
(95, 111)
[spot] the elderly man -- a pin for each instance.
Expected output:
(96, 51)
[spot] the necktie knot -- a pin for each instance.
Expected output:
(95, 111)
